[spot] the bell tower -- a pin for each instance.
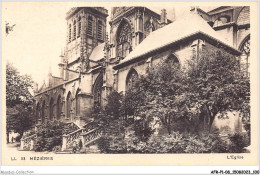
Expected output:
(86, 28)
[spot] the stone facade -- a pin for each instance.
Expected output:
(92, 65)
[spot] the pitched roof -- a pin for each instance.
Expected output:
(98, 52)
(187, 26)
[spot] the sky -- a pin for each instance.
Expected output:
(39, 35)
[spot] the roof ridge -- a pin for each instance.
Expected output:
(190, 24)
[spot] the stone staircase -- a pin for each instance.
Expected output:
(88, 134)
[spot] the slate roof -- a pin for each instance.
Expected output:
(98, 52)
(187, 26)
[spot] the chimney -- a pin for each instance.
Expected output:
(163, 17)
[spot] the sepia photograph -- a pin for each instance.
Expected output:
(127, 81)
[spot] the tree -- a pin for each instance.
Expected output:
(206, 86)
(154, 95)
(19, 99)
(217, 85)
(17, 87)
(113, 104)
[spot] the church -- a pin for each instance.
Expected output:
(96, 61)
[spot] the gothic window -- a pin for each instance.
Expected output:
(58, 106)
(51, 109)
(148, 27)
(98, 93)
(245, 49)
(68, 100)
(70, 33)
(123, 40)
(99, 32)
(43, 111)
(77, 103)
(90, 25)
(74, 30)
(79, 26)
(131, 78)
(173, 59)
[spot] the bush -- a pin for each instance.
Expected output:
(18, 138)
(142, 130)
(238, 142)
(174, 143)
(56, 149)
(49, 136)
(112, 140)
(103, 144)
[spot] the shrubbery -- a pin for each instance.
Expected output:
(174, 143)
(49, 137)
(186, 100)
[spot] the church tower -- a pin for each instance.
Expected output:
(86, 28)
(130, 26)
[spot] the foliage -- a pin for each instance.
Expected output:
(193, 95)
(142, 130)
(20, 121)
(239, 142)
(17, 87)
(176, 143)
(80, 144)
(113, 104)
(158, 94)
(18, 138)
(112, 138)
(49, 136)
(19, 101)
(217, 85)
(190, 97)
(56, 148)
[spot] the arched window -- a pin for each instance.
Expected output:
(70, 33)
(97, 91)
(77, 103)
(74, 30)
(131, 78)
(148, 27)
(99, 30)
(245, 46)
(68, 100)
(51, 109)
(43, 111)
(123, 39)
(90, 25)
(172, 59)
(79, 26)
(245, 49)
(58, 110)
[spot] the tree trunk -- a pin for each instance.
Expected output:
(7, 136)
(211, 121)
(211, 117)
